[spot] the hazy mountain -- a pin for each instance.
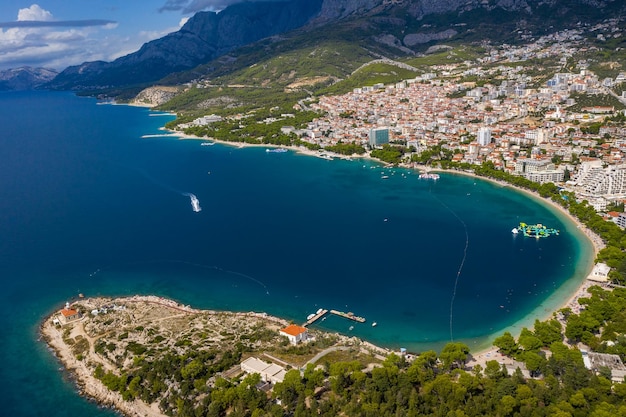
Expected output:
(25, 78)
(396, 27)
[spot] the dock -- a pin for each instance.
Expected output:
(316, 317)
(348, 315)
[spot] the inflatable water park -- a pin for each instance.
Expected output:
(534, 230)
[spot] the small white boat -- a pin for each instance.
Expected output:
(515, 231)
(385, 177)
(374, 324)
(310, 316)
(351, 327)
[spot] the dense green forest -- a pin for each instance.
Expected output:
(431, 385)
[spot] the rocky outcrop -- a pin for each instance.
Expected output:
(413, 39)
(154, 96)
(392, 41)
(341, 9)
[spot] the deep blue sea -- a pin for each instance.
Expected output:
(90, 206)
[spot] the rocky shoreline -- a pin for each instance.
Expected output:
(87, 385)
(78, 341)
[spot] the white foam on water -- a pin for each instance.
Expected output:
(195, 203)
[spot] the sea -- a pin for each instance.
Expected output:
(97, 199)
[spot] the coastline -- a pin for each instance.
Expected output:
(86, 383)
(62, 335)
(565, 296)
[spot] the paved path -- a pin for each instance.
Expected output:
(324, 353)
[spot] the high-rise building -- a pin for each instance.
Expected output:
(484, 136)
(378, 136)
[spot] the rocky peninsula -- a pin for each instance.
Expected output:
(142, 354)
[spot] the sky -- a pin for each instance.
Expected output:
(58, 33)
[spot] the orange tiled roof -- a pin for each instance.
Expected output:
(68, 313)
(294, 330)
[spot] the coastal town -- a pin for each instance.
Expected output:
(149, 356)
(528, 121)
(532, 126)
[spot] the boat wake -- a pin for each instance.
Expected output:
(195, 203)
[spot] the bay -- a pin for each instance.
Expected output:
(89, 205)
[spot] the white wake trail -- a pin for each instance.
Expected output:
(195, 203)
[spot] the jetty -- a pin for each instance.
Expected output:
(312, 318)
(348, 315)
(315, 317)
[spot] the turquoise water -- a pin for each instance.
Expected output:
(89, 206)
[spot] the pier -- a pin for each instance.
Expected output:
(348, 315)
(321, 313)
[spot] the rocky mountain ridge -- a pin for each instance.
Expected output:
(399, 26)
(25, 78)
(205, 36)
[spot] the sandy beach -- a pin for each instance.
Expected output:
(482, 356)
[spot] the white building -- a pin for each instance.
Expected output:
(269, 372)
(538, 136)
(528, 165)
(484, 136)
(594, 182)
(552, 175)
(295, 333)
(600, 272)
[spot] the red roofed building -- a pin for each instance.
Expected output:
(70, 314)
(295, 334)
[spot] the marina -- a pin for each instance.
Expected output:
(312, 318)
(320, 313)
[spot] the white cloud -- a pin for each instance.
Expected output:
(34, 12)
(194, 6)
(55, 44)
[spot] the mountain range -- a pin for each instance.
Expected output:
(242, 34)
(25, 78)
